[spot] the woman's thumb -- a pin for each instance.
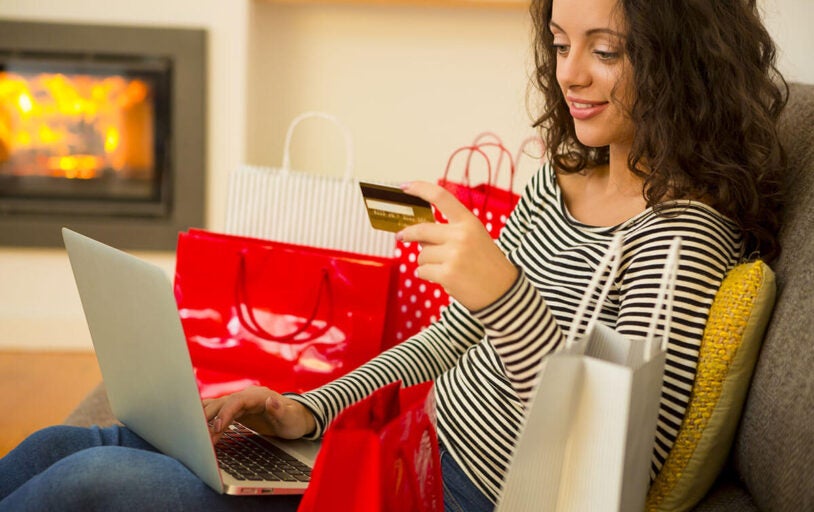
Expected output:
(273, 405)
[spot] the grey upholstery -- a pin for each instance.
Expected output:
(93, 410)
(772, 466)
(772, 461)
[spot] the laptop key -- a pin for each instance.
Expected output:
(285, 477)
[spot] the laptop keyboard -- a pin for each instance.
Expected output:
(248, 456)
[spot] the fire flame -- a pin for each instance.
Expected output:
(76, 126)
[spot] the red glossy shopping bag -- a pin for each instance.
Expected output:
(285, 316)
(380, 455)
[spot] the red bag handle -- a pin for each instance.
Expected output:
(492, 138)
(502, 151)
(483, 139)
(245, 313)
(521, 151)
(487, 135)
(466, 181)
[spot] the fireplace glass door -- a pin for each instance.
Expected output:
(84, 135)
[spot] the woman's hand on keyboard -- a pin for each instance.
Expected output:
(261, 409)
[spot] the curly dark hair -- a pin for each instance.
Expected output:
(700, 67)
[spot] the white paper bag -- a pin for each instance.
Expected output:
(590, 429)
(302, 208)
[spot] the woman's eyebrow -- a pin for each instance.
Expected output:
(608, 31)
(590, 32)
(552, 25)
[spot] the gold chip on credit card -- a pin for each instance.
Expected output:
(392, 209)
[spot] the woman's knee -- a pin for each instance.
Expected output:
(115, 478)
(51, 444)
(70, 439)
(58, 434)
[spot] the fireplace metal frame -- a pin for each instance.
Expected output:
(185, 49)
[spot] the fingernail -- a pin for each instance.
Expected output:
(274, 403)
(217, 424)
(405, 185)
(399, 236)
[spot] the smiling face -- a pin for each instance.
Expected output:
(592, 71)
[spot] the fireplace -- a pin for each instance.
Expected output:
(101, 130)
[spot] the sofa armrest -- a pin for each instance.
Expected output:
(94, 409)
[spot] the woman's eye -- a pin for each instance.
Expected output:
(561, 49)
(603, 55)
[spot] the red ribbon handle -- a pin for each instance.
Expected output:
(245, 313)
(470, 149)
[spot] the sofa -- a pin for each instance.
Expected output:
(770, 466)
(771, 463)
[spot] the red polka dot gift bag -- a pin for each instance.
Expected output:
(417, 302)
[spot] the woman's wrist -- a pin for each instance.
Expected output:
(502, 288)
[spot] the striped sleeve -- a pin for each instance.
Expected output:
(423, 357)
(523, 331)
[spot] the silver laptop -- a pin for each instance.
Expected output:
(140, 344)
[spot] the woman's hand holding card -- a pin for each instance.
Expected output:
(460, 255)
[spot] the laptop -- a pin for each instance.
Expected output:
(143, 357)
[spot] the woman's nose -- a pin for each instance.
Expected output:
(572, 70)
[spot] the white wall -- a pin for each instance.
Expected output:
(39, 307)
(412, 83)
(789, 22)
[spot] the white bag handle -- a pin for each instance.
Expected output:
(610, 259)
(321, 115)
(664, 300)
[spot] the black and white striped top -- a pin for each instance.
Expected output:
(484, 362)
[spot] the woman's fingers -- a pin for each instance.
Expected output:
(223, 411)
(458, 217)
(426, 233)
(260, 409)
(460, 255)
(443, 199)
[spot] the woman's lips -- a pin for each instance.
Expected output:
(583, 110)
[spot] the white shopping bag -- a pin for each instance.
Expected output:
(302, 208)
(590, 429)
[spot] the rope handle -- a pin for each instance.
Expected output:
(493, 139)
(245, 313)
(521, 151)
(664, 301)
(348, 175)
(610, 260)
(466, 182)
(502, 151)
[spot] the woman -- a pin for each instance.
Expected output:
(660, 122)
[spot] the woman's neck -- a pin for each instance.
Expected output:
(620, 178)
(604, 195)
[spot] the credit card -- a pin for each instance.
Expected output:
(392, 209)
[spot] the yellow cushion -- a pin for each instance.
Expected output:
(729, 350)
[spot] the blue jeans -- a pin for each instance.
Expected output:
(84, 469)
(75, 469)
(460, 494)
